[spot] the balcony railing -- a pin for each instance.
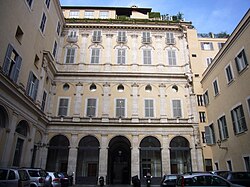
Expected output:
(72, 39)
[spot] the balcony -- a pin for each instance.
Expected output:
(146, 40)
(72, 39)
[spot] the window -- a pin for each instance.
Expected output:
(208, 165)
(43, 22)
(122, 36)
(209, 134)
(95, 56)
(207, 46)
(209, 61)
(96, 36)
(146, 37)
(176, 108)
(44, 101)
(216, 87)
(70, 55)
(248, 104)
(104, 14)
(58, 28)
(74, 14)
(172, 57)
(91, 107)
(146, 56)
(121, 56)
(120, 108)
(203, 137)
(216, 165)
(238, 118)
(29, 2)
(229, 165)
(222, 126)
(12, 63)
(206, 98)
(149, 107)
(32, 86)
(19, 34)
(229, 73)
(202, 117)
(54, 49)
(170, 38)
(220, 45)
(63, 107)
(47, 2)
(247, 163)
(200, 100)
(241, 61)
(89, 14)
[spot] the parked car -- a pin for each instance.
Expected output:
(169, 180)
(242, 178)
(203, 179)
(64, 179)
(14, 178)
(38, 177)
(55, 179)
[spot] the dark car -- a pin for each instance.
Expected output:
(242, 178)
(169, 180)
(38, 177)
(64, 179)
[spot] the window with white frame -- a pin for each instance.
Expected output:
(47, 2)
(104, 14)
(97, 36)
(171, 57)
(120, 108)
(248, 104)
(216, 87)
(146, 38)
(202, 117)
(72, 33)
(29, 3)
(43, 22)
(220, 45)
(170, 38)
(207, 46)
(54, 49)
(206, 98)
(95, 55)
(241, 61)
(89, 14)
(32, 86)
(149, 107)
(121, 56)
(74, 14)
(247, 162)
(210, 134)
(70, 55)
(63, 107)
(91, 107)
(209, 61)
(203, 137)
(176, 106)
(58, 28)
(229, 165)
(12, 63)
(222, 125)
(44, 101)
(146, 56)
(122, 36)
(229, 73)
(200, 100)
(238, 118)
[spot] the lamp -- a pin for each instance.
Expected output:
(219, 145)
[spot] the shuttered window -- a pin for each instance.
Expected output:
(209, 134)
(222, 124)
(32, 86)
(149, 107)
(238, 118)
(120, 108)
(91, 107)
(63, 107)
(176, 108)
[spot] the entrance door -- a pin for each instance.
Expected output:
(119, 162)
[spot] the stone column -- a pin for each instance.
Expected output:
(134, 52)
(10, 138)
(103, 157)
(29, 147)
(135, 103)
(72, 159)
(166, 169)
(51, 98)
(78, 100)
(106, 102)
(135, 157)
(43, 153)
(163, 111)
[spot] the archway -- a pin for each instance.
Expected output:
(180, 157)
(150, 157)
(87, 160)
(119, 161)
(58, 153)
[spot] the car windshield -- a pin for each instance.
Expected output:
(23, 175)
(34, 173)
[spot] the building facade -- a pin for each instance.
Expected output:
(227, 91)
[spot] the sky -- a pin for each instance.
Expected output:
(206, 15)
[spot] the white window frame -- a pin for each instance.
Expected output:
(172, 57)
(97, 36)
(146, 37)
(121, 36)
(125, 107)
(89, 14)
(44, 102)
(241, 63)
(145, 55)
(47, 3)
(31, 3)
(223, 128)
(248, 104)
(43, 21)
(144, 107)
(98, 58)
(228, 168)
(216, 87)
(202, 116)
(54, 50)
(170, 39)
(239, 128)
(104, 14)
(210, 133)
(58, 105)
(66, 54)
(172, 107)
(32, 88)
(207, 46)
(206, 98)
(231, 71)
(244, 161)
(96, 107)
(121, 58)
(58, 28)
(74, 14)
(209, 61)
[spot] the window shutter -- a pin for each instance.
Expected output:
(16, 69)
(234, 121)
(220, 128)
(202, 45)
(211, 46)
(242, 119)
(177, 108)
(35, 89)
(208, 135)
(6, 64)
(63, 107)
(28, 84)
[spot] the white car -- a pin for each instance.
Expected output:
(55, 179)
